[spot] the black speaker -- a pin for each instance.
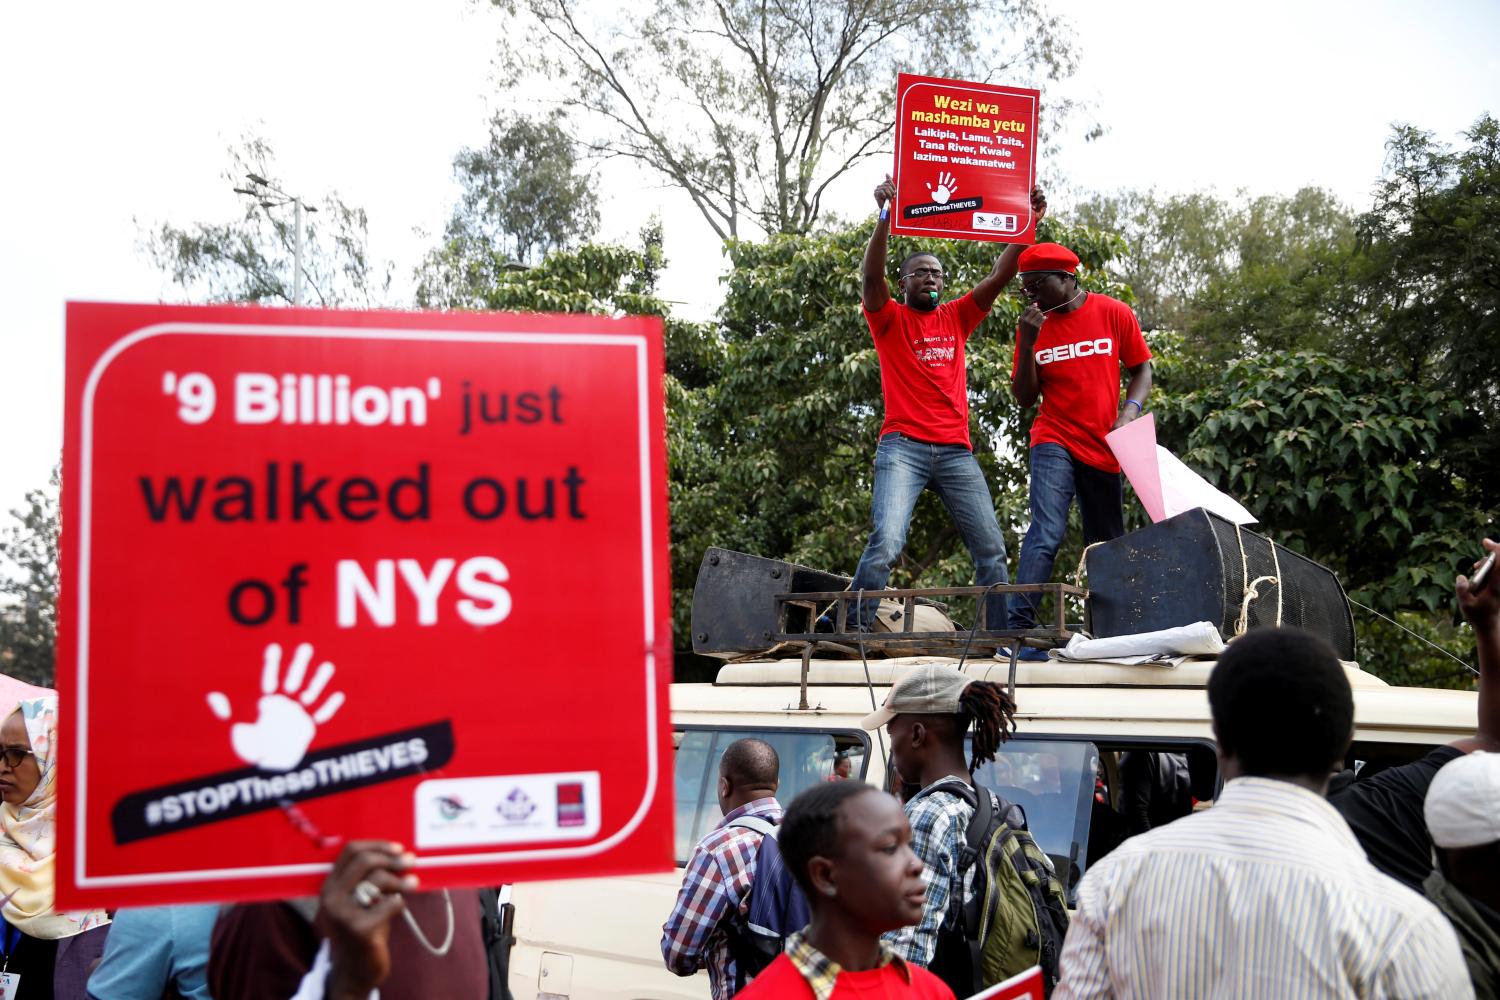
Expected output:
(734, 599)
(1195, 567)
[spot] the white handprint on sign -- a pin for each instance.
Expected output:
(279, 737)
(946, 188)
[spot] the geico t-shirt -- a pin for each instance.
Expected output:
(1078, 357)
(922, 372)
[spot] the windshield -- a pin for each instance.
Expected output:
(807, 757)
(1053, 780)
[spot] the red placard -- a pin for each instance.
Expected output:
(345, 575)
(965, 160)
(1023, 986)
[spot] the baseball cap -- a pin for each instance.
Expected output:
(1463, 802)
(931, 689)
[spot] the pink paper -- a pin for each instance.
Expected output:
(12, 691)
(1134, 446)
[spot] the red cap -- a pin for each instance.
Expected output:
(1048, 257)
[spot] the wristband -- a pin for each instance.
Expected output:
(1138, 407)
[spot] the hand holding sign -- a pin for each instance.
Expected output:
(359, 899)
(279, 737)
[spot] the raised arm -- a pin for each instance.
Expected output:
(987, 291)
(874, 291)
(1481, 607)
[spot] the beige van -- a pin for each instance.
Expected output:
(601, 938)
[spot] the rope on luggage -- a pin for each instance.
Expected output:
(1251, 588)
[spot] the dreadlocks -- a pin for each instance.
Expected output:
(992, 712)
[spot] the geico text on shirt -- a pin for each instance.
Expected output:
(1067, 352)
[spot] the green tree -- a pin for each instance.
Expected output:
(28, 588)
(1220, 268)
(754, 109)
(522, 196)
(250, 259)
(1431, 281)
(1351, 469)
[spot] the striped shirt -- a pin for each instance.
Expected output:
(1267, 894)
(715, 889)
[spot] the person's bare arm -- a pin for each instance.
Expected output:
(874, 290)
(987, 291)
(1136, 392)
(1026, 384)
(1481, 608)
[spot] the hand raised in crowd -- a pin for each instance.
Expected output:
(885, 192)
(360, 898)
(1039, 203)
(1481, 606)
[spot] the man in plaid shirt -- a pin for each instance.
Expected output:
(716, 885)
(927, 714)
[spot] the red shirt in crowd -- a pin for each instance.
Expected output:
(922, 373)
(1078, 357)
(781, 980)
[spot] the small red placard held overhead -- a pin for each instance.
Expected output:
(347, 575)
(965, 160)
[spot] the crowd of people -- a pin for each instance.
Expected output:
(1300, 880)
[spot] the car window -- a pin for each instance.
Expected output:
(1053, 781)
(807, 757)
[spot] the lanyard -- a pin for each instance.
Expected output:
(10, 938)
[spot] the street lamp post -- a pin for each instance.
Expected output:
(269, 196)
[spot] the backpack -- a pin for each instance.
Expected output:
(777, 907)
(1018, 916)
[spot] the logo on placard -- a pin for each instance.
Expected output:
(451, 807)
(570, 805)
(516, 807)
(999, 222)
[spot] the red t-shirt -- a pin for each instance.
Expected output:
(1078, 357)
(922, 373)
(781, 980)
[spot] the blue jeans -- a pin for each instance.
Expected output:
(903, 469)
(1056, 477)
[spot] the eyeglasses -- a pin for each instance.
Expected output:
(1032, 284)
(925, 272)
(13, 756)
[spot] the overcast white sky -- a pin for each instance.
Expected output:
(121, 112)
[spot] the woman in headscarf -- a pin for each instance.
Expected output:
(50, 951)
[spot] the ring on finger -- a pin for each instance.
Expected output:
(366, 893)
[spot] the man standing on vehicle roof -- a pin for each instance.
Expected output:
(717, 882)
(924, 440)
(1069, 347)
